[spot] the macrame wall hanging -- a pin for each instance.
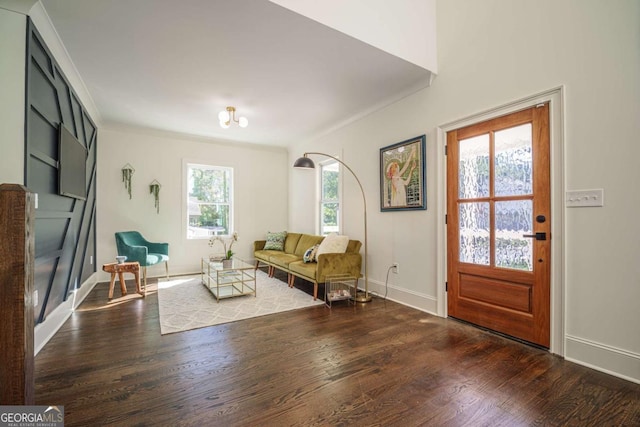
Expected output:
(154, 188)
(127, 173)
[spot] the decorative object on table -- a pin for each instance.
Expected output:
(127, 173)
(121, 259)
(228, 116)
(146, 253)
(305, 162)
(228, 253)
(154, 188)
(403, 175)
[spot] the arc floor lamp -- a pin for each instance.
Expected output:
(305, 162)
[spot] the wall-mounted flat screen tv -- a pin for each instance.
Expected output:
(72, 166)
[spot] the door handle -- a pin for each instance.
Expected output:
(537, 236)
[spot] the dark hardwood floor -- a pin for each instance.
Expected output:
(379, 363)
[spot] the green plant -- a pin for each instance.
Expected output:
(127, 173)
(228, 253)
(154, 188)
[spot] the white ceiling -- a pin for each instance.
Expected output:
(173, 65)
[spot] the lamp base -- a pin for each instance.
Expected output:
(361, 297)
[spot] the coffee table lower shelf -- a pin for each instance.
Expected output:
(231, 281)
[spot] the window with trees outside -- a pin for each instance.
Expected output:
(209, 201)
(329, 198)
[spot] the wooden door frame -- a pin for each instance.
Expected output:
(555, 97)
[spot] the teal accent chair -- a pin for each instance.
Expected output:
(136, 248)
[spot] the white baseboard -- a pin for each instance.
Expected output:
(406, 297)
(44, 331)
(601, 357)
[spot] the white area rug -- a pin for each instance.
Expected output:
(185, 303)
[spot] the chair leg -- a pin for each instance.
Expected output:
(144, 276)
(166, 266)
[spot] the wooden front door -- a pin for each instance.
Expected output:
(498, 224)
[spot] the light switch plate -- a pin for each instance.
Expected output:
(585, 198)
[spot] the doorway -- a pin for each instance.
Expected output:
(499, 224)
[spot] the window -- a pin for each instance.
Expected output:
(209, 201)
(329, 198)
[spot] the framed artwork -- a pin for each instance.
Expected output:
(403, 175)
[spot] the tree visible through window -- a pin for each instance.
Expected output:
(329, 198)
(209, 201)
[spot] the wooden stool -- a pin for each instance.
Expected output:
(126, 267)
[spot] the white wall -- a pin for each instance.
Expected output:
(13, 27)
(404, 28)
(260, 193)
(493, 52)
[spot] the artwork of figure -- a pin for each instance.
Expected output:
(402, 175)
(400, 179)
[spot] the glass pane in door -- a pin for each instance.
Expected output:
(513, 161)
(474, 233)
(513, 219)
(473, 168)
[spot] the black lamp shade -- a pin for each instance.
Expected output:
(304, 162)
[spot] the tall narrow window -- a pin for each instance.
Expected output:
(209, 201)
(329, 198)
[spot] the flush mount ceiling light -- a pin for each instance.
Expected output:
(228, 116)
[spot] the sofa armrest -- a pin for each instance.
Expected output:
(334, 264)
(258, 245)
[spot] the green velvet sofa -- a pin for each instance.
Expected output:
(290, 260)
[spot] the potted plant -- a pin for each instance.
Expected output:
(228, 253)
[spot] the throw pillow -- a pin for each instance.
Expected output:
(275, 241)
(333, 244)
(310, 254)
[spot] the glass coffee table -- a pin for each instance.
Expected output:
(230, 279)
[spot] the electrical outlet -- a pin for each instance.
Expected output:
(396, 267)
(35, 298)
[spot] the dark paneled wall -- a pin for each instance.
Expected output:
(65, 227)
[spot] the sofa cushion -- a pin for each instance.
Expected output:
(310, 254)
(333, 244)
(305, 242)
(275, 241)
(291, 242)
(282, 259)
(302, 269)
(265, 255)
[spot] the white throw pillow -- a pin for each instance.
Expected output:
(333, 244)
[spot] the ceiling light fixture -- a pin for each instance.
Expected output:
(229, 115)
